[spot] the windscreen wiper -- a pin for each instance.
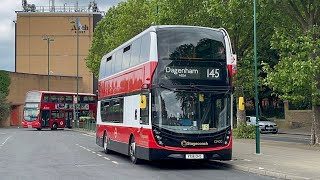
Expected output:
(168, 88)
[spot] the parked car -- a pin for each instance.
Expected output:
(265, 125)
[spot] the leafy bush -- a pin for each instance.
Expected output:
(4, 82)
(244, 131)
(4, 107)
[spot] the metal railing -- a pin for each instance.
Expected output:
(86, 124)
(63, 9)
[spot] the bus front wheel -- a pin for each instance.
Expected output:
(39, 129)
(132, 151)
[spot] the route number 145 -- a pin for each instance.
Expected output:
(213, 73)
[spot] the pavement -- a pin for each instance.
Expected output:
(276, 159)
(281, 160)
(297, 131)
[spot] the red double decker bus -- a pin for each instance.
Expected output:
(49, 109)
(166, 94)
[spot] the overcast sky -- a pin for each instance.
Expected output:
(7, 16)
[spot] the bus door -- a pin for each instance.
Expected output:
(68, 116)
(45, 118)
(144, 119)
(57, 119)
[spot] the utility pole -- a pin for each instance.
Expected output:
(78, 27)
(256, 78)
(48, 39)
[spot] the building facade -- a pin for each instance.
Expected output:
(66, 49)
(56, 65)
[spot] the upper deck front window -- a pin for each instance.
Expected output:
(190, 44)
(33, 97)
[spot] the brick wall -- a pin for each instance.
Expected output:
(21, 83)
(297, 118)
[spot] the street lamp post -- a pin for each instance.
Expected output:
(78, 28)
(256, 78)
(48, 39)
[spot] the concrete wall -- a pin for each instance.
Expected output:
(297, 118)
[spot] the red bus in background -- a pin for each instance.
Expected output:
(167, 94)
(49, 109)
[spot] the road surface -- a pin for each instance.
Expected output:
(65, 154)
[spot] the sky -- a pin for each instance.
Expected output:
(8, 15)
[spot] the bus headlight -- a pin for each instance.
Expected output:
(227, 139)
(156, 132)
(157, 135)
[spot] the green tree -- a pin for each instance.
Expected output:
(4, 83)
(120, 23)
(4, 92)
(237, 18)
(129, 18)
(297, 76)
(4, 107)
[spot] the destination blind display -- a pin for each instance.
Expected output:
(208, 73)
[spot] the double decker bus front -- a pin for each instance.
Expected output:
(191, 95)
(31, 110)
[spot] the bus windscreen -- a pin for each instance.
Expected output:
(190, 44)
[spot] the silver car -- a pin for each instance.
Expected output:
(265, 125)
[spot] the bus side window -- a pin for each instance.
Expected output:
(61, 115)
(118, 62)
(104, 110)
(126, 57)
(91, 99)
(85, 99)
(61, 99)
(69, 99)
(136, 45)
(109, 67)
(46, 98)
(145, 48)
(54, 98)
(54, 114)
(103, 68)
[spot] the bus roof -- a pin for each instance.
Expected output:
(154, 29)
(57, 92)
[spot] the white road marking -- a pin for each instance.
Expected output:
(87, 165)
(93, 152)
(6, 140)
(87, 135)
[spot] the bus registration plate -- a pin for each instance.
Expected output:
(194, 156)
(29, 126)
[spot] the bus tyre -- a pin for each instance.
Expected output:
(39, 129)
(54, 126)
(132, 151)
(105, 144)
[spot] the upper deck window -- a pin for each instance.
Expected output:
(33, 97)
(190, 44)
